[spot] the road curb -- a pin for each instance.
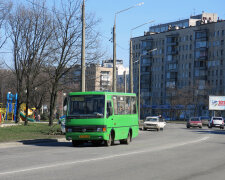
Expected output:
(31, 142)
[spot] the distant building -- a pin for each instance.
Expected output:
(120, 69)
(190, 56)
(98, 78)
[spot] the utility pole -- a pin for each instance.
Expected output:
(114, 56)
(125, 81)
(83, 49)
(131, 67)
(114, 44)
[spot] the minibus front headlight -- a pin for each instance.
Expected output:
(99, 129)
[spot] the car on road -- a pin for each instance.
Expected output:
(194, 122)
(62, 121)
(216, 122)
(154, 122)
(205, 120)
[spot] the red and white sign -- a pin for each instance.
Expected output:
(216, 102)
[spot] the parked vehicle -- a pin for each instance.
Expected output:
(205, 120)
(154, 122)
(216, 122)
(62, 121)
(194, 122)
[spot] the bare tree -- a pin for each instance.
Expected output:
(40, 93)
(5, 8)
(67, 34)
(30, 30)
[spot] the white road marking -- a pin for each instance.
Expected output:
(107, 157)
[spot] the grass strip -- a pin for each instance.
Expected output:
(31, 131)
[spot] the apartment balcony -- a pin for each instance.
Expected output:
(202, 77)
(174, 52)
(202, 58)
(173, 61)
(201, 35)
(146, 64)
(175, 43)
(147, 44)
(172, 40)
(172, 78)
(202, 49)
(147, 48)
(202, 38)
(173, 69)
(171, 83)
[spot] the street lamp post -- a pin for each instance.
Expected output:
(139, 81)
(131, 55)
(83, 49)
(114, 44)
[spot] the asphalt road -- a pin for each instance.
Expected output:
(176, 153)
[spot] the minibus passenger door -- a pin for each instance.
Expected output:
(109, 113)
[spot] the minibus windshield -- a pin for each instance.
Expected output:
(87, 106)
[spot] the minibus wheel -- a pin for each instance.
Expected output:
(126, 141)
(109, 142)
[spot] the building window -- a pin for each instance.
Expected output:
(186, 47)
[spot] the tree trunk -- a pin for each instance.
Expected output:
(52, 104)
(27, 105)
(18, 110)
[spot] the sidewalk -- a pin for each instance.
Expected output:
(32, 141)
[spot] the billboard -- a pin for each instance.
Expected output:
(216, 102)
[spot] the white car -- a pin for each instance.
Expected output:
(216, 122)
(154, 122)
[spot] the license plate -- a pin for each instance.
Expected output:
(84, 136)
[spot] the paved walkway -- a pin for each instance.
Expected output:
(34, 141)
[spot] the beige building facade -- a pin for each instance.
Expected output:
(98, 78)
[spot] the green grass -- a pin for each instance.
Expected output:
(31, 131)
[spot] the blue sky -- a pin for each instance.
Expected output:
(162, 11)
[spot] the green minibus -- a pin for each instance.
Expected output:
(101, 117)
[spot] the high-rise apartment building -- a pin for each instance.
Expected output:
(187, 66)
